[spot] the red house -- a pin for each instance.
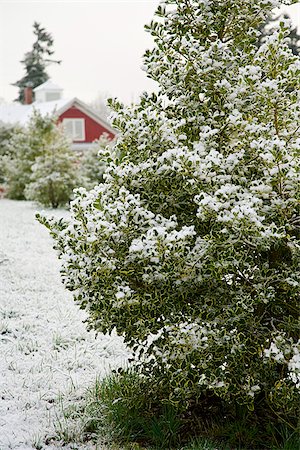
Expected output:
(81, 123)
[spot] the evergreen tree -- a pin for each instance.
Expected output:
(36, 61)
(190, 248)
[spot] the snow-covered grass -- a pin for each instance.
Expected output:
(46, 355)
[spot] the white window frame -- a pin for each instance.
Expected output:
(73, 122)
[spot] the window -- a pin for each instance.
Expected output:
(75, 129)
(50, 96)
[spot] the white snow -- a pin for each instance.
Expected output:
(49, 86)
(45, 350)
(16, 113)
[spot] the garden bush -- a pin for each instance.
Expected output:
(6, 133)
(190, 248)
(39, 164)
(54, 174)
(92, 162)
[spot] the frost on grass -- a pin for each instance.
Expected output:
(47, 356)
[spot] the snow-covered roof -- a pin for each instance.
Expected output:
(17, 113)
(13, 114)
(20, 114)
(55, 107)
(48, 86)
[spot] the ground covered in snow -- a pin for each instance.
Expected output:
(46, 354)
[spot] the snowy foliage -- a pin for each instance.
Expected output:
(191, 246)
(92, 162)
(6, 133)
(54, 173)
(40, 164)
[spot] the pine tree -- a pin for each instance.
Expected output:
(190, 248)
(36, 61)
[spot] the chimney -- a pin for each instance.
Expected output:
(28, 95)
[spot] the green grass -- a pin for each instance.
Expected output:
(126, 412)
(119, 406)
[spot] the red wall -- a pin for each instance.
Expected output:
(93, 129)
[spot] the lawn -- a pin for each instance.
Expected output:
(48, 359)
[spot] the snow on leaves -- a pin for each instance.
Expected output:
(190, 247)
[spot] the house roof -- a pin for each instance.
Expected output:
(13, 114)
(49, 86)
(90, 112)
(20, 114)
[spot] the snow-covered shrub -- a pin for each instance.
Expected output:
(39, 164)
(6, 133)
(20, 155)
(191, 246)
(92, 162)
(54, 174)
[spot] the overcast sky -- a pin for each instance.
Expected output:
(100, 43)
